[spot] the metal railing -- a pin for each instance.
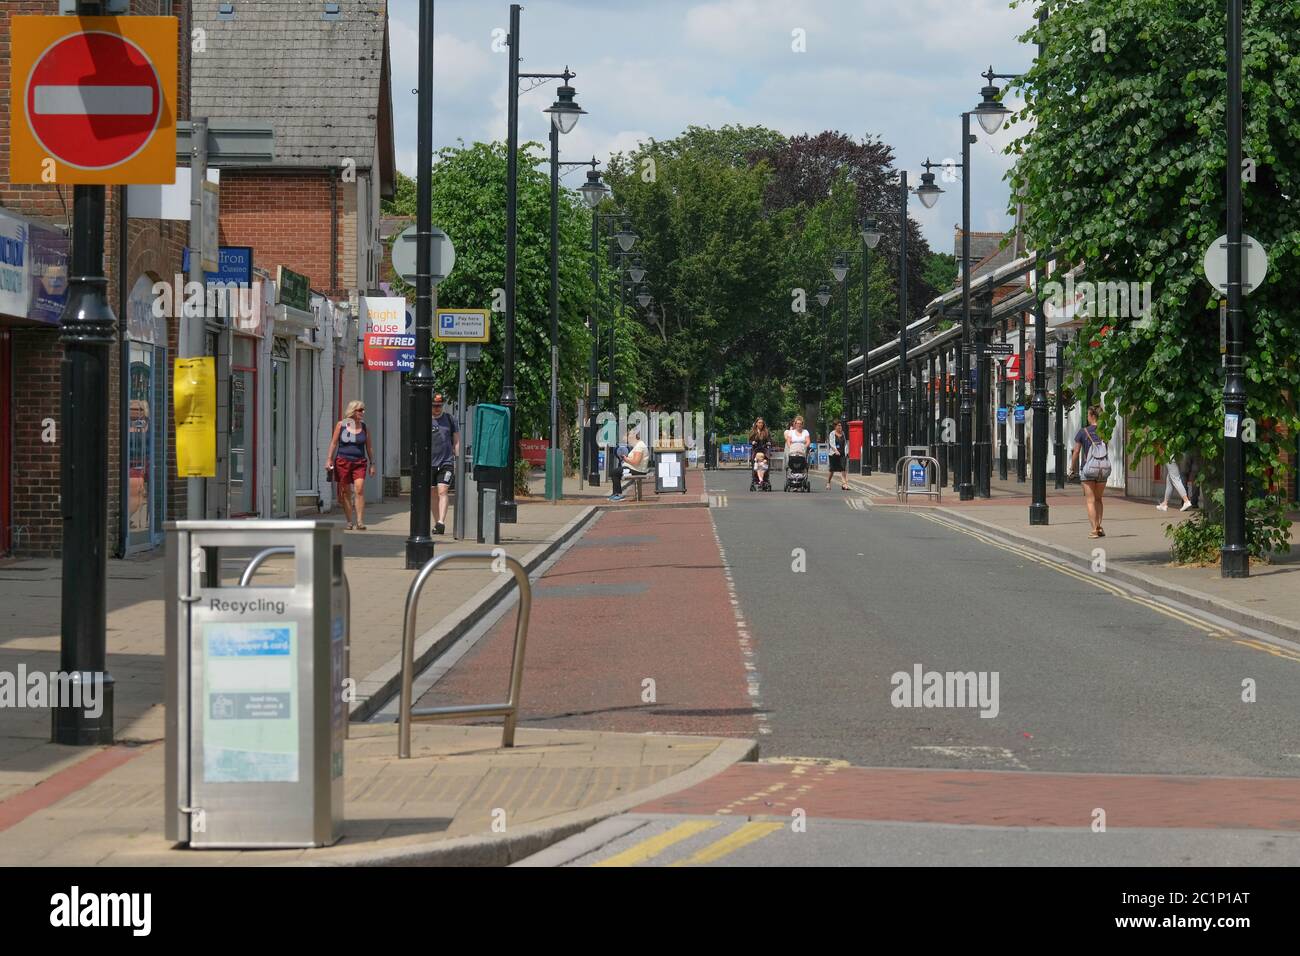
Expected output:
(933, 487)
(510, 709)
(246, 579)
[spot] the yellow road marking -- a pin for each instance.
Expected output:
(1210, 630)
(743, 837)
(651, 848)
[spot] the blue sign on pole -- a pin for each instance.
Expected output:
(1002, 416)
(1020, 414)
(235, 264)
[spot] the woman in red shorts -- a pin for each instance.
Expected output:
(350, 455)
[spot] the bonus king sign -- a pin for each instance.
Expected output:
(93, 100)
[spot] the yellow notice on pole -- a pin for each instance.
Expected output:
(194, 386)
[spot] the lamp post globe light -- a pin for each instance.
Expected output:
(594, 189)
(626, 237)
(643, 299)
(564, 111)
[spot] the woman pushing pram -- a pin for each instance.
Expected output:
(760, 440)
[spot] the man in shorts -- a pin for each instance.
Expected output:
(445, 448)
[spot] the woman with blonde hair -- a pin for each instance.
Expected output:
(1093, 470)
(350, 455)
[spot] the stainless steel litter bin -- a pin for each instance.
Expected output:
(256, 711)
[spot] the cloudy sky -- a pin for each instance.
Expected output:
(902, 69)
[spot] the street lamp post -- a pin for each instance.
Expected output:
(419, 542)
(840, 270)
(1038, 508)
(593, 193)
(564, 115)
(564, 106)
(823, 297)
(1235, 556)
(870, 239)
(1058, 438)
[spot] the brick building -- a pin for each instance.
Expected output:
(320, 75)
(142, 490)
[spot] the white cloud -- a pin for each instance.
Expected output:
(902, 69)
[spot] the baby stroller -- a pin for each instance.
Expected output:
(796, 473)
(757, 483)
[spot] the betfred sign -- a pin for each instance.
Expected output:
(93, 100)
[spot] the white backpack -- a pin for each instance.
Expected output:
(1097, 465)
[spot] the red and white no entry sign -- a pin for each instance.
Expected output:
(94, 98)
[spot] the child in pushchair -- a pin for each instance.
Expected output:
(758, 477)
(796, 472)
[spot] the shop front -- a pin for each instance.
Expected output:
(144, 479)
(33, 290)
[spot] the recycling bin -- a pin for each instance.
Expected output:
(256, 711)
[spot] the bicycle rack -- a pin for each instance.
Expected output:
(510, 709)
(246, 579)
(933, 486)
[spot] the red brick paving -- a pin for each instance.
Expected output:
(992, 798)
(587, 655)
(69, 780)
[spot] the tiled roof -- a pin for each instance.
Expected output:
(982, 245)
(324, 84)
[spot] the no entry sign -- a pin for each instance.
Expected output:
(93, 100)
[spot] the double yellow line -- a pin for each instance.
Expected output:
(648, 849)
(1097, 580)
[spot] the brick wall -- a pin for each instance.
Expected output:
(38, 353)
(286, 218)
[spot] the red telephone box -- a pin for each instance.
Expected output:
(855, 447)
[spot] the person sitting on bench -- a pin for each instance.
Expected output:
(635, 464)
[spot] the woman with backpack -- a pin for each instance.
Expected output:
(1095, 469)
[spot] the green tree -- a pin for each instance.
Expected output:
(1123, 170)
(468, 188)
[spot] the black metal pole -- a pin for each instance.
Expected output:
(867, 450)
(966, 490)
(1236, 558)
(419, 543)
(904, 434)
(1005, 394)
(942, 449)
(613, 405)
(983, 426)
(593, 463)
(844, 399)
(555, 465)
(88, 328)
(1059, 439)
(507, 507)
(1038, 508)
(1021, 461)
